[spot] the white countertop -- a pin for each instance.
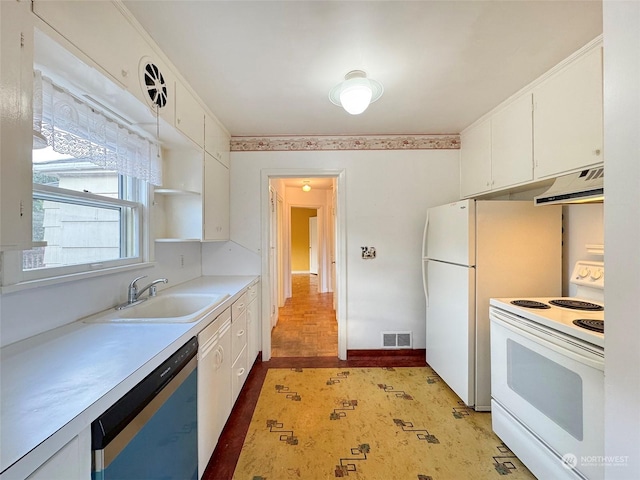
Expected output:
(55, 384)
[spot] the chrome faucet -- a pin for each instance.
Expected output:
(133, 294)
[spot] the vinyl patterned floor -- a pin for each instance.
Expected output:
(369, 423)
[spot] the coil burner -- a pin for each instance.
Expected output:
(530, 304)
(576, 304)
(589, 324)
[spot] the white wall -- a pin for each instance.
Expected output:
(387, 196)
(582, 225)
(621, 21)
(36, 310)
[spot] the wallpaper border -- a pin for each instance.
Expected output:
(368, 142)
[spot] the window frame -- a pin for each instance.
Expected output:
(50, 193)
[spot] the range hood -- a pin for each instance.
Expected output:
(586, 186)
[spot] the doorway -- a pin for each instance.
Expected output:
(306, 324)
(278, 280)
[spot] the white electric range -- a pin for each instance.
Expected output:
(581, 316)
(547, 377)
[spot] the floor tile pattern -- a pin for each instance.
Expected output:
(373, 423)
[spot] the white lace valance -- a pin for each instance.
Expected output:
(75, 128)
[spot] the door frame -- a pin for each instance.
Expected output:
(340, 291)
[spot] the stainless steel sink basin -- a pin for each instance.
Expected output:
(169, 308)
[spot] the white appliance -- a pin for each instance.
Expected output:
(548, 377)
(472, 251)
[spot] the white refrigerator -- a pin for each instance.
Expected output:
(474, 250)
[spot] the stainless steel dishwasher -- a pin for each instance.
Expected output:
(151, 433)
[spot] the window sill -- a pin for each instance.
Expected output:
(43, 282)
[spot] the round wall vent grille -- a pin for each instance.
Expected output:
(153, 84)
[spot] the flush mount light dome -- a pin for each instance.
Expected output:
(306, 187)
(356, 92)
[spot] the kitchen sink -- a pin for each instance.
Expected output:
(169, 308)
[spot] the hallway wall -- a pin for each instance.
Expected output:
(300, 240)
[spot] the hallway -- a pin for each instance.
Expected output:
(307, 324)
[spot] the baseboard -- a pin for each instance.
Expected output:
(396, 352)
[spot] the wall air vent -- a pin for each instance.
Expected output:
(396, 339)
(153, 84)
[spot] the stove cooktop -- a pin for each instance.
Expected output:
(557, 317)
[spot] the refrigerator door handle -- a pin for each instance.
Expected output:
(424, 236)
(424, 281)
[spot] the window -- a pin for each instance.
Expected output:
(91, 178)
(82, 215)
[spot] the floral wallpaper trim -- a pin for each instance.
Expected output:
(390, 142)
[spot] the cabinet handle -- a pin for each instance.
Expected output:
(240, 333)
(597, 151)
(219, 356)
(240, 372)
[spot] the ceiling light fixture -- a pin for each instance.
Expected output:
(356, 92)
(306, 187)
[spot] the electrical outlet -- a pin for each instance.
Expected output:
(368, 253)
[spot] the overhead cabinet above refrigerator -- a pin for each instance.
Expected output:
(472, 251)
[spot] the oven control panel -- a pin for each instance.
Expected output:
(589, 274)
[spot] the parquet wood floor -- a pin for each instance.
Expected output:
(307, 325)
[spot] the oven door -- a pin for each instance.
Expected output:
(553, 386)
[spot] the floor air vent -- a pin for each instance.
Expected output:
(396, 339)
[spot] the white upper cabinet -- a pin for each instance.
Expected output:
(216, 199)
(552, 127)
(189, 115)
(16, 137)
(475, 160)
(512, 144)
(125, 57)
(568, 121)
(216, 140)
(90, 26)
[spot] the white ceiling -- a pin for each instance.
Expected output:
(266, 67)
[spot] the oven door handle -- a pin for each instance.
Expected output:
(552, 342)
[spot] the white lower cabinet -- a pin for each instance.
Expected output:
(222, 371)
(71, 462)
(253, 324)
(239, 344)
(214, 385)
(240, 373)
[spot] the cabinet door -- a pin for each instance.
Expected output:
(512, 144)
(189, 115)
(16, 139)
(214, 385)
(71, 462)
(87, 25)
(216, 199)
(568, 118)
(475, 160)
(216, 141)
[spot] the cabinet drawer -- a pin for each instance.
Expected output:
(252, 292)
(239, 306)
(239, 374)
(238, 334)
